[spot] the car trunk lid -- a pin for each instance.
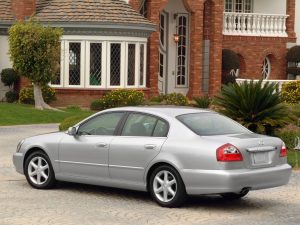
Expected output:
(258, 150)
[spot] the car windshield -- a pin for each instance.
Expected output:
(208, 124)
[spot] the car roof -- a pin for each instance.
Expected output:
(170, 111)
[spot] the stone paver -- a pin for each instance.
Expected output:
(84, 204)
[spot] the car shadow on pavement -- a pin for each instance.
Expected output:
(215, 202)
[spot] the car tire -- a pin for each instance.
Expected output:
(39, 171)
(235, 196)
(166, 187)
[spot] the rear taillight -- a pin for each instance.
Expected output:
(283, 151)
(229, 153)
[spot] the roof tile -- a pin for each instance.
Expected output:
(5, 11)
(80, 11)
(103, 11)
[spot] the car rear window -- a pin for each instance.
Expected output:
(208, 124)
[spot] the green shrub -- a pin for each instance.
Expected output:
(27, 97)
(290, 92)
(70, 121)
(159, 98)
(11, 96)
(9, 77)
(176, 99)
(73, 108)
(97, 105)
(202, 102)
(289, 139)
(119, 98)
(257, 106)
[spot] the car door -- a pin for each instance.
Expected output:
(140, 140)
(86, 153)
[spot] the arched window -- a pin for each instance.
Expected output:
(266, 68)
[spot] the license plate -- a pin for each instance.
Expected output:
(260, 158)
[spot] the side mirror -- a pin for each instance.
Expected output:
(72, 131)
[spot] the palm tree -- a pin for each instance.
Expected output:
(255, 105)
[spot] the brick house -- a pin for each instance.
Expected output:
(258, 31)
(158, 46)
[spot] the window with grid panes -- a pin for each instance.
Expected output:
(238, 6)
(182, 51)
(74, 63)
(142, 64)
(95, 64)
(86, 64)
(115, 64)
(131, 65)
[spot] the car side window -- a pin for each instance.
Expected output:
(144, 125)
(139, 125)
(161, 129)
(104, 124)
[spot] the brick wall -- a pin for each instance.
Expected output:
(290, 24)
(135, 4)
(82, 97)
(213, 26)
(253, 50)
(216, 46)
(23, 8)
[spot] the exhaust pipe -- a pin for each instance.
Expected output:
(245, 190)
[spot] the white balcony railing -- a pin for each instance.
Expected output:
(255, 24)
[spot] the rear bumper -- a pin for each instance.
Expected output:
(18, 159)
(223, 181)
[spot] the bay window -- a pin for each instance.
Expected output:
(102, 63)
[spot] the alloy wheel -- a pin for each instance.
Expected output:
(165, 186)
(38, 170)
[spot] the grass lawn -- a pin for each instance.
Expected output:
(292, 158)
(17, 114)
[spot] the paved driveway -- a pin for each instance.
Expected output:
(83, 204)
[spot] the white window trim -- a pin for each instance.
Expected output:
(163, 46)
(82, 63)
(145, 65)
(85, 62)
(186, 15)
(233, 6)
(136, 66)
(269, 69)
(87, 65)
(122, 66)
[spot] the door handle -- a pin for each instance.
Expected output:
(150, 146)
(102, 145)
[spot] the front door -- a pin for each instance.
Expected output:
(173, 73)
(85, 155)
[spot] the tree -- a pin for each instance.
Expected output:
(9, 77)
(256, 105)
(34, 51)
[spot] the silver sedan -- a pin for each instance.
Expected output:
(171, 152)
